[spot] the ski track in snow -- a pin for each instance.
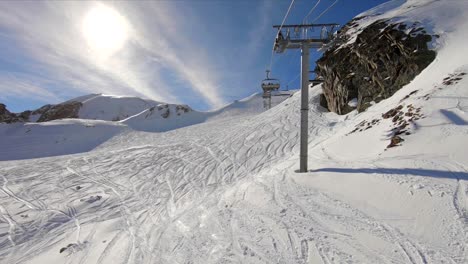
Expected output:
(197, 198)
(225, 191)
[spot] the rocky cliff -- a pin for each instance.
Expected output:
(6, 116)
(60, 111)
(366, 66)
(43, 114)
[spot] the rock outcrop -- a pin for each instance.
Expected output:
(45, 113)
(6, 116)
(383, 58)
(65, 110)
(71, 109)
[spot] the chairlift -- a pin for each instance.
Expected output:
(281, 42)
(297, 31)
(270, 84)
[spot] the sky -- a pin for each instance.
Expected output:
(204, 53)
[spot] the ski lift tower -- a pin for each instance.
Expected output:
(299, 39)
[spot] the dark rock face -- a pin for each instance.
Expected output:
(183, 108)
(47, 113)
(383, 59)
(42, 110)
(323, 101)
(6, 116)
(394, 141)
(65, 110)
(25, 115)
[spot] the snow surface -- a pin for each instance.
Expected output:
(120, 108)
(58, 137)
(440, 17)
(71, 136)
(226, 191)
(153, 120)
(112, 108)
(164, 117)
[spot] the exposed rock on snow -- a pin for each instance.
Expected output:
(6, 116)
(381, 58)
(61, 111)
(394, 141)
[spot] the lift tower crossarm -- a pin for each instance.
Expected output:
(295, 40)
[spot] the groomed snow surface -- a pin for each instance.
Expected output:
(102, 116)
(226, 191)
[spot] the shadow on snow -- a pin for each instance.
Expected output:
(454, 118)
(402, 171)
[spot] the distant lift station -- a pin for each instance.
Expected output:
(297, 37)
(269, 85)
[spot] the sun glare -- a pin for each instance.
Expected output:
(105, 30)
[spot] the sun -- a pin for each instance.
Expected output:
(105, 30)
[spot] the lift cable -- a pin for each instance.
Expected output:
(319, 16)
(286, 16)
(304, 32)
(310, 12)
(279, 29)
(304, 20)
(325, 11)
(295, 78)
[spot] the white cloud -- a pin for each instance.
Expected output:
(167, 40)
(14, 87)
(166, 47)
(55, 47)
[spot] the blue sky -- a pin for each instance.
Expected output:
(204, 53)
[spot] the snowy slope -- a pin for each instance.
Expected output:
(111, 108)
(165, 117)
(226, 191)
(58, 137)
(61, 137)
(253, 104)
(440, 17)
(116, 108)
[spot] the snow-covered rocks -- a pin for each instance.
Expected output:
(375, 55)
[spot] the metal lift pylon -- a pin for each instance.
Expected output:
(303, 42)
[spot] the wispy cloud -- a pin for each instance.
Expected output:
(56, 48)
(168, 55)
(168, 40)
(16, 87)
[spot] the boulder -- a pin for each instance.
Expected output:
(384, 58)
